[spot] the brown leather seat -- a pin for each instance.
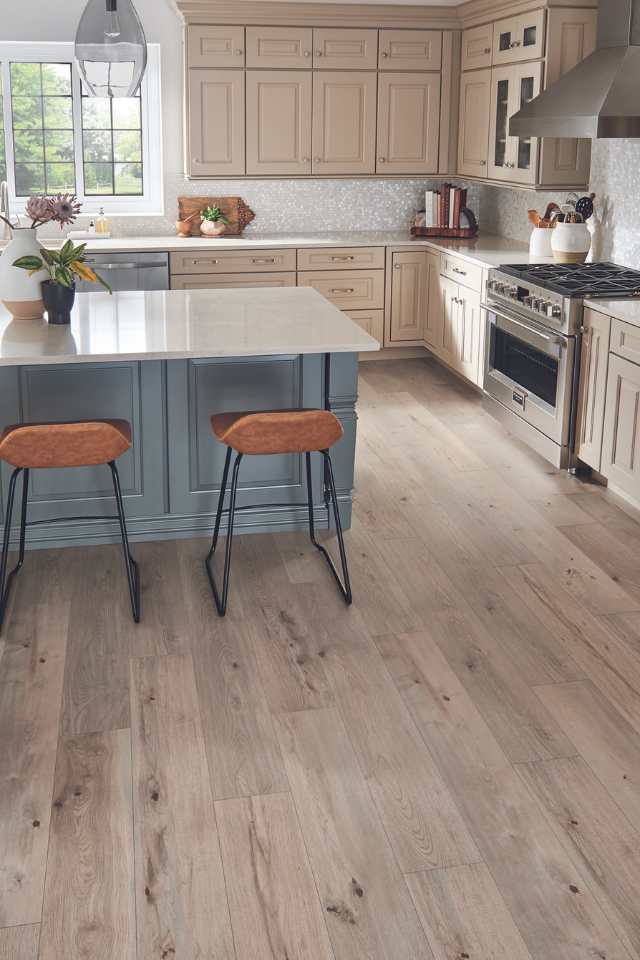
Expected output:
(278, 431)
(78, 444)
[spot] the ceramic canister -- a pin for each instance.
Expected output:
(20, 293)
(571, 241)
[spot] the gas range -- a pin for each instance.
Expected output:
(553, 293)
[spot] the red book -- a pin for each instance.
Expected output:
(444, 219)
(457, 207)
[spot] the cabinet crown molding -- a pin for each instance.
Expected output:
(466, 14)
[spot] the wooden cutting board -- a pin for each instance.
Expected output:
(234, 208)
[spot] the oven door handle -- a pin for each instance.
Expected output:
(550, 344)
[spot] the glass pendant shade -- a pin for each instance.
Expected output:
(111, 49)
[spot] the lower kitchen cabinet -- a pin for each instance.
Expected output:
(433, 318)
(409, 297)
(621, 437)
(593, 385)
(370, 320)
(460, 342)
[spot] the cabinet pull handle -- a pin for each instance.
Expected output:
(342, 290)
(340, 259)
(263, 260)
(196, 263)
(462, 273)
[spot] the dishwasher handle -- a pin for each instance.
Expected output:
(124, 265)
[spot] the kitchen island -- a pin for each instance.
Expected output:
(165, 361)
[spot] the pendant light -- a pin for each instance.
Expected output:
(111, 49)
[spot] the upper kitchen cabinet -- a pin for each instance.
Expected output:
(215, 123)
(344, 122)
(519, 38)
(512, 159)
(339, 49)
(215, 47)
(475, 105)
(408, 122)
(477, 44)
(410, 50)
(286, 48)
(278, 122)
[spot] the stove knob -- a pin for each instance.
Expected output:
(537, 304)
(512, 292)
(528, 300)
(556, 311)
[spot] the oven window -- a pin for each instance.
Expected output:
(529, 368)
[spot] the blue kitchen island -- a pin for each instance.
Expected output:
(165, 361)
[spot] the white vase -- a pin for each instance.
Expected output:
(20, 293)
(212, 228)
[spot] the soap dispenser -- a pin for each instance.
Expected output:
(102, 224)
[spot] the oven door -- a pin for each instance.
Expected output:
(529, 370)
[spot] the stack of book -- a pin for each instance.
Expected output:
(443, 207)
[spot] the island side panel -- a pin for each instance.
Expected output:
(342, 397)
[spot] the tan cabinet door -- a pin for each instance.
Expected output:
(215, 120)
(371, 321)
(410, 50)
(278, 122)
(475, 109)
(433, 319)
(477, 44)
(468, 334)
(448, 350)
(409, 296)
(338, 49)
(408, 123)
(284, 47)
(621, 438)
(571, 38)
(519, 38)
(215, 46)
(344, 122)
(513, 159)
(594, 361)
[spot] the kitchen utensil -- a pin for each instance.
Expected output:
(584, 206)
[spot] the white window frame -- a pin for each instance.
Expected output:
(151, 202)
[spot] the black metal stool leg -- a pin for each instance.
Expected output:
(5, 582)
(345, 587)
(221, 602)
(131, 566)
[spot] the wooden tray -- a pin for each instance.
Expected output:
(451, 233)
(234, 208)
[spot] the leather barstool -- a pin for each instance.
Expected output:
(58, 445)
(276, 432)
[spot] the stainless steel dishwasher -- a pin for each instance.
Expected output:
(129, 271)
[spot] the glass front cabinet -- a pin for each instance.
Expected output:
(513, 159)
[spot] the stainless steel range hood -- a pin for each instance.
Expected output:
(600, 97)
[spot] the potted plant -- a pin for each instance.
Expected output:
(20, 291)
(62, 268)
(214, 223)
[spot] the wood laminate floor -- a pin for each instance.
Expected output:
(448, 770)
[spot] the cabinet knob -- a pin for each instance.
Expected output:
(317, 160)
(318, 53)
(483, 163)
(487, 50)
(307, 53)
(305, 159)
(385, 53)
(396, 266)
(239, 52)
(381, 160)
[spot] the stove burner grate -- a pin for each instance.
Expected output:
(579, 279)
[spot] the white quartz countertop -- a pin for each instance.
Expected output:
(185, 324)
(627, 310)
(487, 250)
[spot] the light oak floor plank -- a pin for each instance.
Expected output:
(464, 915)
(603, 738)
(182, 908)
(367, 906)
(89, 897)
(534, 874)
(20, 943)
(31, 679)
(275, 910)
(597, 834)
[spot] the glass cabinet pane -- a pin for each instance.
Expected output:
(524, 143)
(530, 37)
(502, 109)
(505, 40)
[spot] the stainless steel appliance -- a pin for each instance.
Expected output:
(130, 271)
(533, 317)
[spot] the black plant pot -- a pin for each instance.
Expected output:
(58, 301)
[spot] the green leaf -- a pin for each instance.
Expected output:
(29, 263)
(103, 283)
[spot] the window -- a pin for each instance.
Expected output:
(54, 138)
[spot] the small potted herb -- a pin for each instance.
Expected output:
(214, 223)
(63, 266)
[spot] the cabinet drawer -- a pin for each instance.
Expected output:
(338, 49)
(372, 321)
(215, 46)
(211, 281)
(410, 50)
(519, 38)
(341, 258)
(287, 47)
(233, 261)
(468, 274)
(625, 340)
(476, 47)
(349, 290)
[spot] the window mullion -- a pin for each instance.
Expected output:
(8, 131)
(78, 139)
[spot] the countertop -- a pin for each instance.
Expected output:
(185, 324)
(487, 250)
(627, 310)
